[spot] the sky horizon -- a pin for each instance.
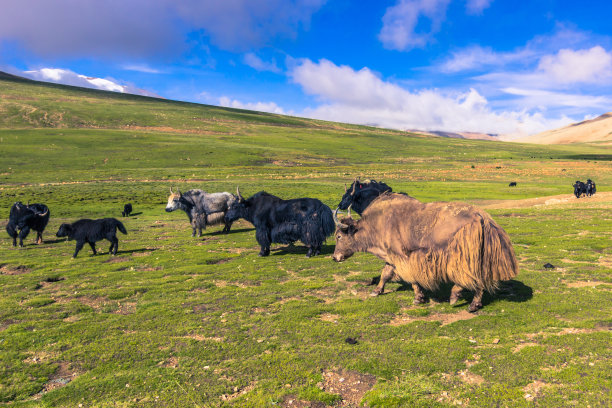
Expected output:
(486, 66)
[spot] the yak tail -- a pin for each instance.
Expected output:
(319, 224)
(498, 262)
(120, 226)
(327, 221)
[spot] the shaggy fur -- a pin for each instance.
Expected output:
(360, 194)
(23, 217)
(284, 221)
(202, 208)
(428, 244)
(91, 231)
(127, 210)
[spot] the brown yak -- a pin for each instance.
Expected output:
(427, 244)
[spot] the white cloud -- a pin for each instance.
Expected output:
(592, 65)
(542, 99)
(258, 64)
(477, 6)
(401, 20)
(362, 97)
(67, 77)
(270, 107)
(479, 58)
(142, 68)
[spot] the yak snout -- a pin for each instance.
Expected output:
(338, 257)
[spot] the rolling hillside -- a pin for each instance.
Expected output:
(173, 320)
(588, 131)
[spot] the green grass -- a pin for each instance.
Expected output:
(179, 321)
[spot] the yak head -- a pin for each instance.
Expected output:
(349, 194)
(238, 208)
(345, 237)
(173, 201)
(65, 230)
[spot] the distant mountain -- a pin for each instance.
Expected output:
(594, 130)
(458, 135)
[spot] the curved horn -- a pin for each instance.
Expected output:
(349, 211)
(45, 213)
(179, 191)
(240, 198)
(354, 186)
(345, 188)
(336, 216)
(171, 192)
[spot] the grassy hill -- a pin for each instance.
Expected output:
(180, 321)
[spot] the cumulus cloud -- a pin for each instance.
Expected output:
(270, 107)
(592, 65)
(399, 31)
(140, 28)
(67, 77)
(362, 97)
(258, 64)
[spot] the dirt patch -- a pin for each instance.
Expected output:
(218, 261)
(139, 254)
(443, 318)
(62, 376)
(125, 308)
(556, 200)
(291, 401)
(470, 378)
(350, 385)
(521, 346)
(172, 362)
(329, 317)
(583, 284)
(605, 261)
(199, 337)
(238, 392)
(7, 269)
(534, 389)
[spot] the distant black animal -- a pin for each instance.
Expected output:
(590, 188)
(127, 210)
(579, 188)
(548, 265)
(202, 208)
(360, 194)
(512, 184)
(24, 217)
(284, 221)
(91, 231)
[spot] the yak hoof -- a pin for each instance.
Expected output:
(454, 299)
(376, 293)
(474, 307)
(419, 300)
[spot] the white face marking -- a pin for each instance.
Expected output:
(172, 202)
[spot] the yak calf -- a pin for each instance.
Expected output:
(91, 231)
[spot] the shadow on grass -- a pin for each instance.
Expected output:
(512, 291)
(133, 214)
(301, 249)
(234, 231)
(132, 251)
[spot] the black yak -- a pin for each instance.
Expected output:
(24, 217)
(360, 194)
(91, 231)
(428, 244)
(127, 210)
(202, 208)
(284, 221)
(512, 184)
(590, 188)
(579, 188)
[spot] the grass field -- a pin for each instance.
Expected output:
(173, 320)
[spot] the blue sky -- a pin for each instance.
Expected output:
(491, 66)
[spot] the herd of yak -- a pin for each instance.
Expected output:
(423, 244)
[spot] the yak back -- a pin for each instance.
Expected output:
(275, 210)
(208, 203)
(406, 220)
(94, 230)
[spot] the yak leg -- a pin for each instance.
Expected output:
(39, 239)
(387, 273)
(419, 294)
(455, 294)
(193, 226)
(476, 302)
(227, 227)
(23, 234)
(12, 233)
(79, 246)
(93, 247)
(262, 235)
(114, 244)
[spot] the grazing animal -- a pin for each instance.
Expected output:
(548, 265)
(590, 188)
(428, 244)
(127, 210)
(202, 208)
(361, 194)
(91, 231)
(284, 221)
(512, 184)
(579, 188)
(23, 218)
